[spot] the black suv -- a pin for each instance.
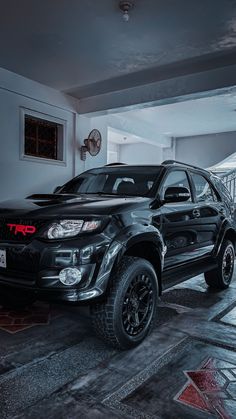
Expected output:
(115, 237)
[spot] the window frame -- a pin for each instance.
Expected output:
(195, 172)
(48, 118)
(167, 173)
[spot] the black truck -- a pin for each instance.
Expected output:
(115, 237)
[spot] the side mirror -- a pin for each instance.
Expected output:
(176, 194)
(57, 189)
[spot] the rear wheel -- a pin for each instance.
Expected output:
(220, 278)
(128, 314)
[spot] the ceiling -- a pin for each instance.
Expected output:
(194, 117)
(83, 47)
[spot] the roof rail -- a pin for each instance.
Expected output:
(115, 164)
(183, 164)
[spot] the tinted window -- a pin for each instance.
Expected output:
(175, 178)
(120, 181)
(204, 191)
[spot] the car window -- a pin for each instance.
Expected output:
(176, 178)
(204, 191)
(224, 191)
(120, 181)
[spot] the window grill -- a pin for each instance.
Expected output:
(41, 138)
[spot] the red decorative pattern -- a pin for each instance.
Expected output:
(13, 321)
(211, 388)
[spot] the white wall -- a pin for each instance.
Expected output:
(113, 152)
(19, 178)
(205, 150)
(141, 153)
(84, 126)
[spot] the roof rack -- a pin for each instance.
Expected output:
(166, 162)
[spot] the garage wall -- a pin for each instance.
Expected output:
(84, 126)
(18, 177)
(141, 154)
(205, 150)
(113, 152)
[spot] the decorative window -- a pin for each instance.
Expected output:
(42, 138)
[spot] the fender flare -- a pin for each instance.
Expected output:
(225, 229)
(138, 233)
(126, 239)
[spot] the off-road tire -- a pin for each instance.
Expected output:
(109, 316)
(220, 278)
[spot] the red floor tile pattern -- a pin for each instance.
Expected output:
(211, 388)
(13, 321)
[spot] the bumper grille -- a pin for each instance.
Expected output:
(22, 259)
(22, 262)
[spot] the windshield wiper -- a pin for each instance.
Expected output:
(97, 193)
(115, 194)
(105, 193)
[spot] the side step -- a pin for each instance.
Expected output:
(176, 275)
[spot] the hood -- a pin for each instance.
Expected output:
(57, 205)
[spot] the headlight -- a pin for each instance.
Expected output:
(70, 228)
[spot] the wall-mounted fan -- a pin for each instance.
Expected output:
(92, 144)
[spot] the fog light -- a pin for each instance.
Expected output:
(70, 276)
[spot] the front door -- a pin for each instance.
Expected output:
(179, 222)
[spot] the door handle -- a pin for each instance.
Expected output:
(196, 213)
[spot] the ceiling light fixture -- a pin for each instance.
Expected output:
(125, 7)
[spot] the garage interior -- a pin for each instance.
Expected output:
(159, 86)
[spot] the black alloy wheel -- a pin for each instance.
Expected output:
(128, 314)
(138, 305)
(221, 277)
(228, 263)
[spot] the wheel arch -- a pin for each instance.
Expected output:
(150, 251)
(146, 245)
(145, 242)
(229, 233)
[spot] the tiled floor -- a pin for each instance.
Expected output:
(52, 366)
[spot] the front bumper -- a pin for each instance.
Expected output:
(34, 268)
(72, 295)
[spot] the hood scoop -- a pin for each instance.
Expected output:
(50, 197)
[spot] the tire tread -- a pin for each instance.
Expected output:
(103, 313)
(213, 278)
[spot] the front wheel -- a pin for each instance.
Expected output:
(128, 314)
(220, 278)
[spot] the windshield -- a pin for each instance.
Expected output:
(131, 181)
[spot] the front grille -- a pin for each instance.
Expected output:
(22, 259)
(11, 235)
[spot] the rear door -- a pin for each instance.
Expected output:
(210, 209)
